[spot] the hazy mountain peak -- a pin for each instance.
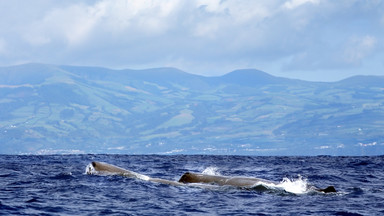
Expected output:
(31, 73)
(250, 77)
(362, 80)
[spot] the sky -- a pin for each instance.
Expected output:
(315, 40)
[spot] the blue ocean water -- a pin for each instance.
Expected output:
(58, 185)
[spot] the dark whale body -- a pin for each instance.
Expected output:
(105, 168)
(244, 182)
(188, 178)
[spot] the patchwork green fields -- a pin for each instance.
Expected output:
(48, 109)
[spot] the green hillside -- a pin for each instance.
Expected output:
(66, 109)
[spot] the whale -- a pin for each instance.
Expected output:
(237, 181)
(242, 182)
(109, 169)
(190, 178)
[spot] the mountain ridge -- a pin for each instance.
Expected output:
(244, 75)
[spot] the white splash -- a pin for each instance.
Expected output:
(296, 186)
(211, 171)
(90, 170)
(137, 175)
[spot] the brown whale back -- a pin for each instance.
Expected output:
(189, 177)
(104, 167)
(108, 168)
(221, 180)
(201, 178)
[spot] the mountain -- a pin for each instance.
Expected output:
(365, 81)
(48, 109)
(252, 77)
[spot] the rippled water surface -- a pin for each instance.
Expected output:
(58, 185)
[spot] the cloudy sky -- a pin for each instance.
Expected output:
(323, 40)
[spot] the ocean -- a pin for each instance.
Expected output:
(59, 185)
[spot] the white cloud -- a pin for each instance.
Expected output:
(358, 48)
(219, 16)
(145, 16)
(72, 24)
(239, 10)
(202, 36)
(292, 4)
(2, 46)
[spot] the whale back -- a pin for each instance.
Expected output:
(104, 167)
(329, 189)
(189, 177)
